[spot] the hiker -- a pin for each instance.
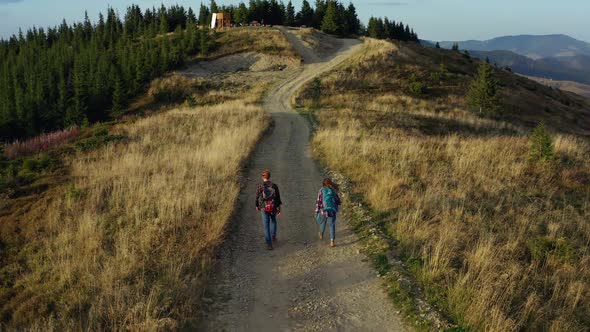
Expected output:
(326, 209)
(268, 203)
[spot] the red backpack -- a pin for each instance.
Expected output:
(267, 199)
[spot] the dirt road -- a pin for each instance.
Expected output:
(302, 285)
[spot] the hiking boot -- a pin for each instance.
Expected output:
(268, 247)
(321, 235)
(274, 238)
(332, 244)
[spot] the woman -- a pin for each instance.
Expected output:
(326, 209)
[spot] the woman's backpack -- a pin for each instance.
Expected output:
(329, 200)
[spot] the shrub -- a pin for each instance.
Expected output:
(316, 92)
(441, 74)
(416, 87)
(100, 137)
(541, 144)
(191, 101)
(39, 143)
(173, 89)
(542, 248)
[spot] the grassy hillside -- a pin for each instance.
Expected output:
(115, 227)
(575, 87)
(496, 240)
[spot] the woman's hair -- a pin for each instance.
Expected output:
(328, 183)
(266, 174)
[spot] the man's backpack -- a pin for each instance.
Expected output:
(267, 199)
(329, 200)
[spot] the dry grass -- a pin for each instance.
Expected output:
(499, 242)
(127, 245)
(575, 87)
(262, 40)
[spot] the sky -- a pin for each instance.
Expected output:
(431, 19)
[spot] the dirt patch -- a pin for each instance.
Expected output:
(249, 61)
(321, 43)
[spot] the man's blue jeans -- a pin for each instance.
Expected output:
(269, 222)
(323, 221)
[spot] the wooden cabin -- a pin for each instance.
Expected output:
(221, 20)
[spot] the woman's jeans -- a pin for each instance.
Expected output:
(269, 222)
(323, 221)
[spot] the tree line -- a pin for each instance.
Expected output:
(75, 74)
(385, 29)
(330, 16)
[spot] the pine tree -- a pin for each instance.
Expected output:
(164, 23)
(437, 45)
(318, 15)
(290, 14)
(330, 22)
(214, 7)
(387, 29)
(192, 36)
(306, 15)
(483, 94)
(541, 144)
(352, 23)
(77, 112)
(118, 99)
(241, 14)
(204, 15)
(204, 42)
(375, 28)
(191, 17)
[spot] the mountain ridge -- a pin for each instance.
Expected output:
(567, 68)
(532, 46)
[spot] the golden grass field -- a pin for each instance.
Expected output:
(122, 236)
(497, 241)
(128, 244)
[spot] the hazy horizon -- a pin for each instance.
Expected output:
(432, 19)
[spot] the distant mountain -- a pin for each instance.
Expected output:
(566, 68)
(534, 47)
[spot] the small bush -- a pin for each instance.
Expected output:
(415, 87)
(272, 49)
(316, 92)
(100, 138)
(191, 101)
(542, 248)
(441, 74)
(173, 89)
(541, 144)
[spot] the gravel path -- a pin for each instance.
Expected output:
(302, 285)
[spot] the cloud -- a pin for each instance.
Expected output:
(5, 2)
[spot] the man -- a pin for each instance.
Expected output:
(268, 203)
